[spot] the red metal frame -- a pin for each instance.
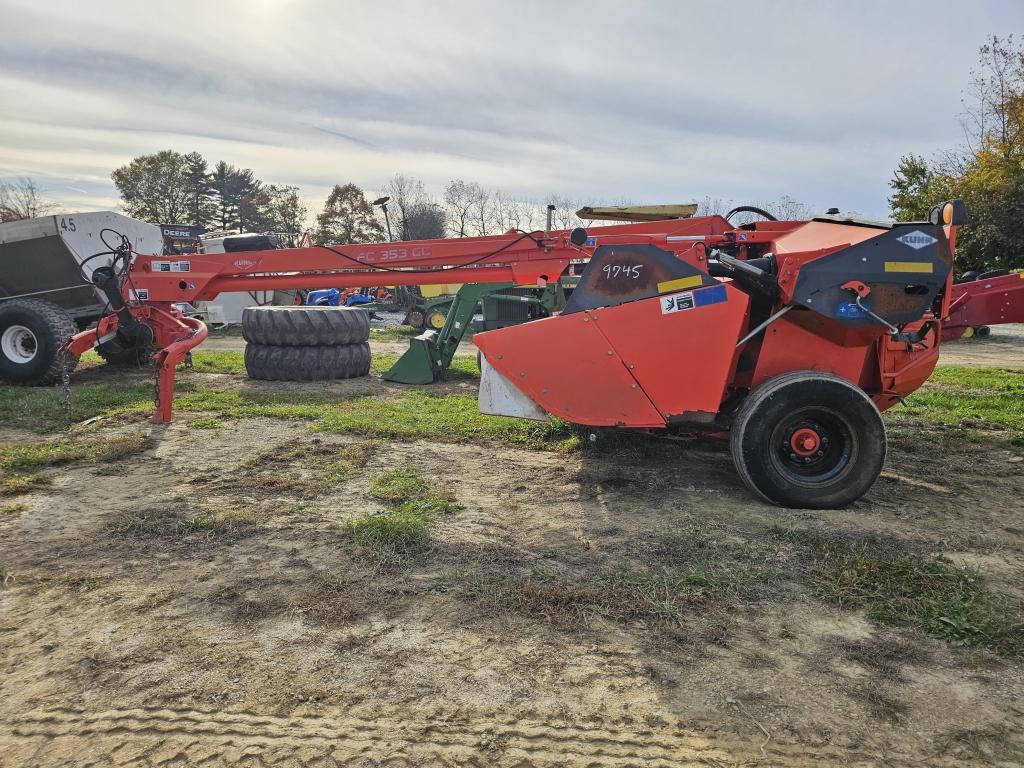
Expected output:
(993, 301)
(629, 365)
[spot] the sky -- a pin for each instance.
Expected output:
(646, 102)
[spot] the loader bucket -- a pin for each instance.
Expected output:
(421, 362)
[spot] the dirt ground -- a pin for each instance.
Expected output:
(129, 637)
(1003, 349)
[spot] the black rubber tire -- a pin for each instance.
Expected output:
(849, 462)
(305, 326)
(415, 318)
(50, 327)
(968, 277)
(993, 273)
(280, 363)
(982, 332)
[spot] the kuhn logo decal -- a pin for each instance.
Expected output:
(917, 239)
(246, 263)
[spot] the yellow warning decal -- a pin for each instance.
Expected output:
(909, 266)
(680, 284)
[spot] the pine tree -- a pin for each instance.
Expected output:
(201, 205)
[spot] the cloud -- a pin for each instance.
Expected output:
(670, 102)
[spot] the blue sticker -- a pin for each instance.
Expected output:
(713, 295)
(850, 310)
(591, 241)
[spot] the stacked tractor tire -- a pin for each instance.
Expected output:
(306, 343)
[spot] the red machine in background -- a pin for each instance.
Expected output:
(989, 299)
(790, 336)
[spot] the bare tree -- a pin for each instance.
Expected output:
(564, 214)
(716, 206)
(788, 209)
(509, 212)
(458, 205)
(22, 199)
(993, 94)
(480, 208)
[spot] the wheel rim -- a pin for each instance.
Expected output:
(813, 446)
(436, 321)
(19, 344)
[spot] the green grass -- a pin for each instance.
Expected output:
(32, 456)
(394, 332)
(404, 530)
(38, 408)
(12, 509)
(328, 464)
(932, 594)
(446, 418)
(462, 368)
(232, 362)
(660, 596)
(20, 461)
(16, 485)
(407, 491)
(206, 423)
(170, 522)
(956, 395)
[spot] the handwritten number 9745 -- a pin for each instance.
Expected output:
(611, 271)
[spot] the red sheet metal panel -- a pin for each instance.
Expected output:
(566, 365)
(788, 346)
(639, 364)
(680, 347)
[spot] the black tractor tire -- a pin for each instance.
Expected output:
(993, 273)
(286, 363)
(968, 277)
(809, 440)
(32, 332)
(415, 318)
(982, 332)
(305, 326)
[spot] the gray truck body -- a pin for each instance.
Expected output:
(41, 258)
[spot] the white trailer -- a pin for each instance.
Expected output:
(45, 289)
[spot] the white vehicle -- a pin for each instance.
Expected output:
(45, 289)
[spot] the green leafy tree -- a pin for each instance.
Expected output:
(988, 172)
(155, 187)
(285, 210)
(347, 217)
(911, 188)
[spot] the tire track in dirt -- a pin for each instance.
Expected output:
(165, 737)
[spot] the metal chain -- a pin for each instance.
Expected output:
(65, 390)
(156, 385)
